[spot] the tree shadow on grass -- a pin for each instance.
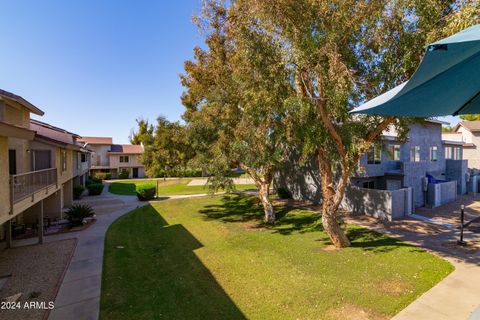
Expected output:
(157, 274)
(369, 240)
(239, 208)
(244, 208)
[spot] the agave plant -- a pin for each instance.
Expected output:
(78, 212)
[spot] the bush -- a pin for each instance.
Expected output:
(95, 189)
(78, 212)
(283, 193)
(124, 174)
(92, 180)
(77, 192)
(99, 176)
(146, 192)
(108, 176)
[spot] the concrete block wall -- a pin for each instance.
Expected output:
(441, 193)
(301, 179)
(383, 204)
(457, 170)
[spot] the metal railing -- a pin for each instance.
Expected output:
(26, 184)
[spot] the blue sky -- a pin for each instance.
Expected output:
(96, 66)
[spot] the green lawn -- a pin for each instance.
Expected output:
(211, 258)
(165, 188)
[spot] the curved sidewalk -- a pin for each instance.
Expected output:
(78, 297)
(79, 294)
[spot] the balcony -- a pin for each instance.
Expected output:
(26, 184)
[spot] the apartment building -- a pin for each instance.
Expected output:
(392, 164)
(114, 158)
(39, 165)
(391, 178)
(467, 133)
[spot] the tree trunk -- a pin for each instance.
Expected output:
(330, 202)
(335, 233)
(263, 185)
(264, 192)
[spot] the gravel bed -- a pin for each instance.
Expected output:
(35, 272)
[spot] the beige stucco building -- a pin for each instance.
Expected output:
(468, 133)
(39, 166)
(114, 158)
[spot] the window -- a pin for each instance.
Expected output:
(393, 151)
(64, 160)
(448, 153)
(433, 153)
(374, 155)
(415, 153)
(83, 157)
(123, 158)
(458, 153)
(369, 185)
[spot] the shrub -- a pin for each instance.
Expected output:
(124, 174)
(283, 193)
(78, 212)
(146, 192)
(92, 180)
(100, 175)
(95, 189)
(108, 176)
(77, 192)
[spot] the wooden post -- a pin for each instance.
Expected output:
(8, 233)
(40, 224)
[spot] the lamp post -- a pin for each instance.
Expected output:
(462, 217)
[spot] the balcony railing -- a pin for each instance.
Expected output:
(26, 184)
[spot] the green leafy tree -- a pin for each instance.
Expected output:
(144, 133)
(167, 149)
(235, 97)
(470, 117)
(317, 58)
(340, 53)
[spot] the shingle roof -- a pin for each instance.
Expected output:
(49, 132)
(13, 97)
(469, 125)
(126, 148)
(96, 140)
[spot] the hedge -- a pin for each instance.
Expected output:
(95, 189)
(77, 192)
(124, 174)
(146, 192)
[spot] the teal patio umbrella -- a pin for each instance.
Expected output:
(447, 82)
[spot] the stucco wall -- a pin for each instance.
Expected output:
(133, 161)
(100, 150)
(19, 116)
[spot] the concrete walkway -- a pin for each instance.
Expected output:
(79, 295)
(458, 295)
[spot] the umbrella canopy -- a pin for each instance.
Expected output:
(446, 82)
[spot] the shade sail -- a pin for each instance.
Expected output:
(446, 82)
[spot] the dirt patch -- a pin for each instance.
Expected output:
(36, 272)
(394, 287)
(253, 226)
(353, 312)
(330, 248)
